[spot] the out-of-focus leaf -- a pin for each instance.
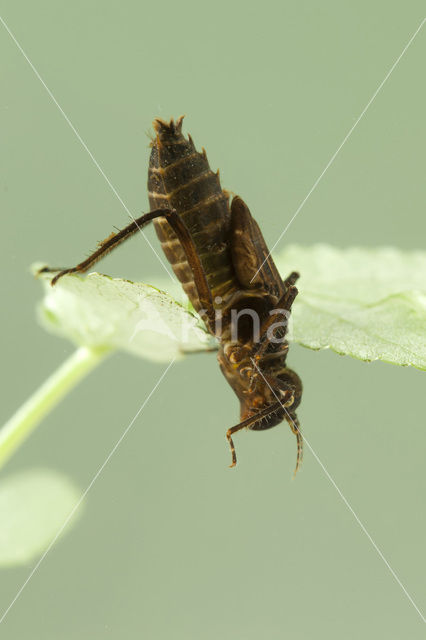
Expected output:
(33, 506)
(366, 303)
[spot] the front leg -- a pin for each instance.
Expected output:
(247, 423)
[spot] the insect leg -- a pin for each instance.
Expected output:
(191, 253)
(107, 245)
(247, 423)
(295, 427)
(182, 233)
(284, 304)
(231, 442)
(291, 279)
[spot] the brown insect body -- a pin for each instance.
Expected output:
(180, 178)
(231, 249)
(219, 255)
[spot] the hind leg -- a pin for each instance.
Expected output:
(105, 246)
(178, 226)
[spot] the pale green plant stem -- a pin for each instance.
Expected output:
(30, 414)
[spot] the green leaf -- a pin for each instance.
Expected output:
(102, 312)
(366, 303)
(33, 507)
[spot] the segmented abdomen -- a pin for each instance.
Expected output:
(180, 178)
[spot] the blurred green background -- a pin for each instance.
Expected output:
(172, 543)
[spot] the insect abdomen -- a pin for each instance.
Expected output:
(180, 178)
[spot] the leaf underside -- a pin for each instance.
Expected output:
(366, 303)
(98, 311)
